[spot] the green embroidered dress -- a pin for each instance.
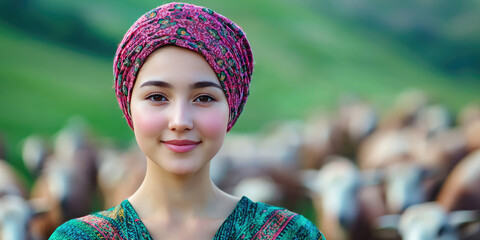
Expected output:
(248, 220)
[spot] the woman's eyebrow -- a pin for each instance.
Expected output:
(157, 83)
(201, 84)
(204, 84)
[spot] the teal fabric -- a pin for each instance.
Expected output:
(248, 220)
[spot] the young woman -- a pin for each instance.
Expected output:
(182, 77)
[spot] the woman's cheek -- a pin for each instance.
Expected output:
(147, 122)
(214, 122)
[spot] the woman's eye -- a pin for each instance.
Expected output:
(156, 98)
(204, 99)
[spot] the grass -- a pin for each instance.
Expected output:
(43, 85)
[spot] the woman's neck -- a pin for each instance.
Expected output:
(167, 196)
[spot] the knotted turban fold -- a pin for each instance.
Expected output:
(215, 37)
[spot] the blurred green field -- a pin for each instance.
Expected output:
(303, 61)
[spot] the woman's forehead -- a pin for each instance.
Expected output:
(176, 65)
(176, 57)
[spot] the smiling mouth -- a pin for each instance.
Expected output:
(181, 146)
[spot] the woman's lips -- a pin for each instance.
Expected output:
(181, 146)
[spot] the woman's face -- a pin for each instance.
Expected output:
(179, 111)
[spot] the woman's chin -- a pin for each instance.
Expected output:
(182, 169)
(179, 166)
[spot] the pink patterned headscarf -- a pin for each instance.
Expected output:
(215, 37)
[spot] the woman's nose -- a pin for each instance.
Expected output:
(181, 117)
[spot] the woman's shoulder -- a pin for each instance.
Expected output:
(302, 228)
(283, 223)
(100, 225)
(79, 228)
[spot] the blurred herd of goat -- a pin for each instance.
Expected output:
(410, 173)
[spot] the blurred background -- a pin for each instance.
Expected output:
(355, 87)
